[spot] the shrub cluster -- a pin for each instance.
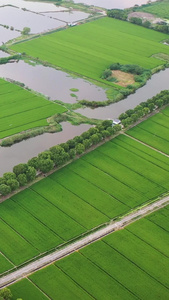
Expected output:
(144, 108)
(141, 74)
(54, 157)
(123, 15)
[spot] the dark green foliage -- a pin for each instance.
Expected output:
(13, 184)
(117, 14)
(80, 148)
(20, 169)
(30, 174)
(5, 294)
(22, 179)
(34, 162)
(4, 189)
(45, 165)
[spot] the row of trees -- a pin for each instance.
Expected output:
(133, 115)
(54, 157)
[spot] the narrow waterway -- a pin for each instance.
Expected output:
(58, 84)
(157, 83)
(23, 151)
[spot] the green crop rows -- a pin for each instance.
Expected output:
(159, 8)
(129, 264)
(102, 185)
(90, 48)
(154, 131)
(22, 110)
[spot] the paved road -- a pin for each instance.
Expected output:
(50, 258)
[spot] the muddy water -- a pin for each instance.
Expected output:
(3, 54)
(155, 85)
(23, 151)
(53, 83)
(112, 3)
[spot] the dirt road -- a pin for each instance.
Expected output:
(50, 258)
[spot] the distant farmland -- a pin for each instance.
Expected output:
(132, 263)
(22, 110)
(154, 131)
(102, 185)
(90, 48)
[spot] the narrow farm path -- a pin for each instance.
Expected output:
(50, 258)
(133, 138)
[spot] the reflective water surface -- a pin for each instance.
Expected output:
(25, 150)
(109, 4)
(155, 85)
(51, 82)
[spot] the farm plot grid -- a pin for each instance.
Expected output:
(100, 186)
(90, 48)
(22, 110)
(132, 263)
(154, 131)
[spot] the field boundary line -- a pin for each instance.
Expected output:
(57, 255)
(163, 153)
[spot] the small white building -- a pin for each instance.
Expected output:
(116, 122)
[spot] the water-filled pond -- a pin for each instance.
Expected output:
(7, 34)
(19, 19)
(3, 54)
(33, 6)
(51, 82)
(69, 17)
(23, 151)
(109, 4)
(157, 83)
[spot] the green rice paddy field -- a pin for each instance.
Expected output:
(90, 48)
(102, 185)
(132, 263)
(159, 8)
(21, 110)
(154, 131)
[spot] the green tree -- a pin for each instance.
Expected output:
(45, 165)
(26, 30)
(22, 179)
(4, 189)
(86, 143)
(6, 294)
(72, 153)
(30, 174)
(80, 148)
(13, 184)
(9, 175)
(20, 169)
(34, 162)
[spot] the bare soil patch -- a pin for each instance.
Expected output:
(124, 79)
